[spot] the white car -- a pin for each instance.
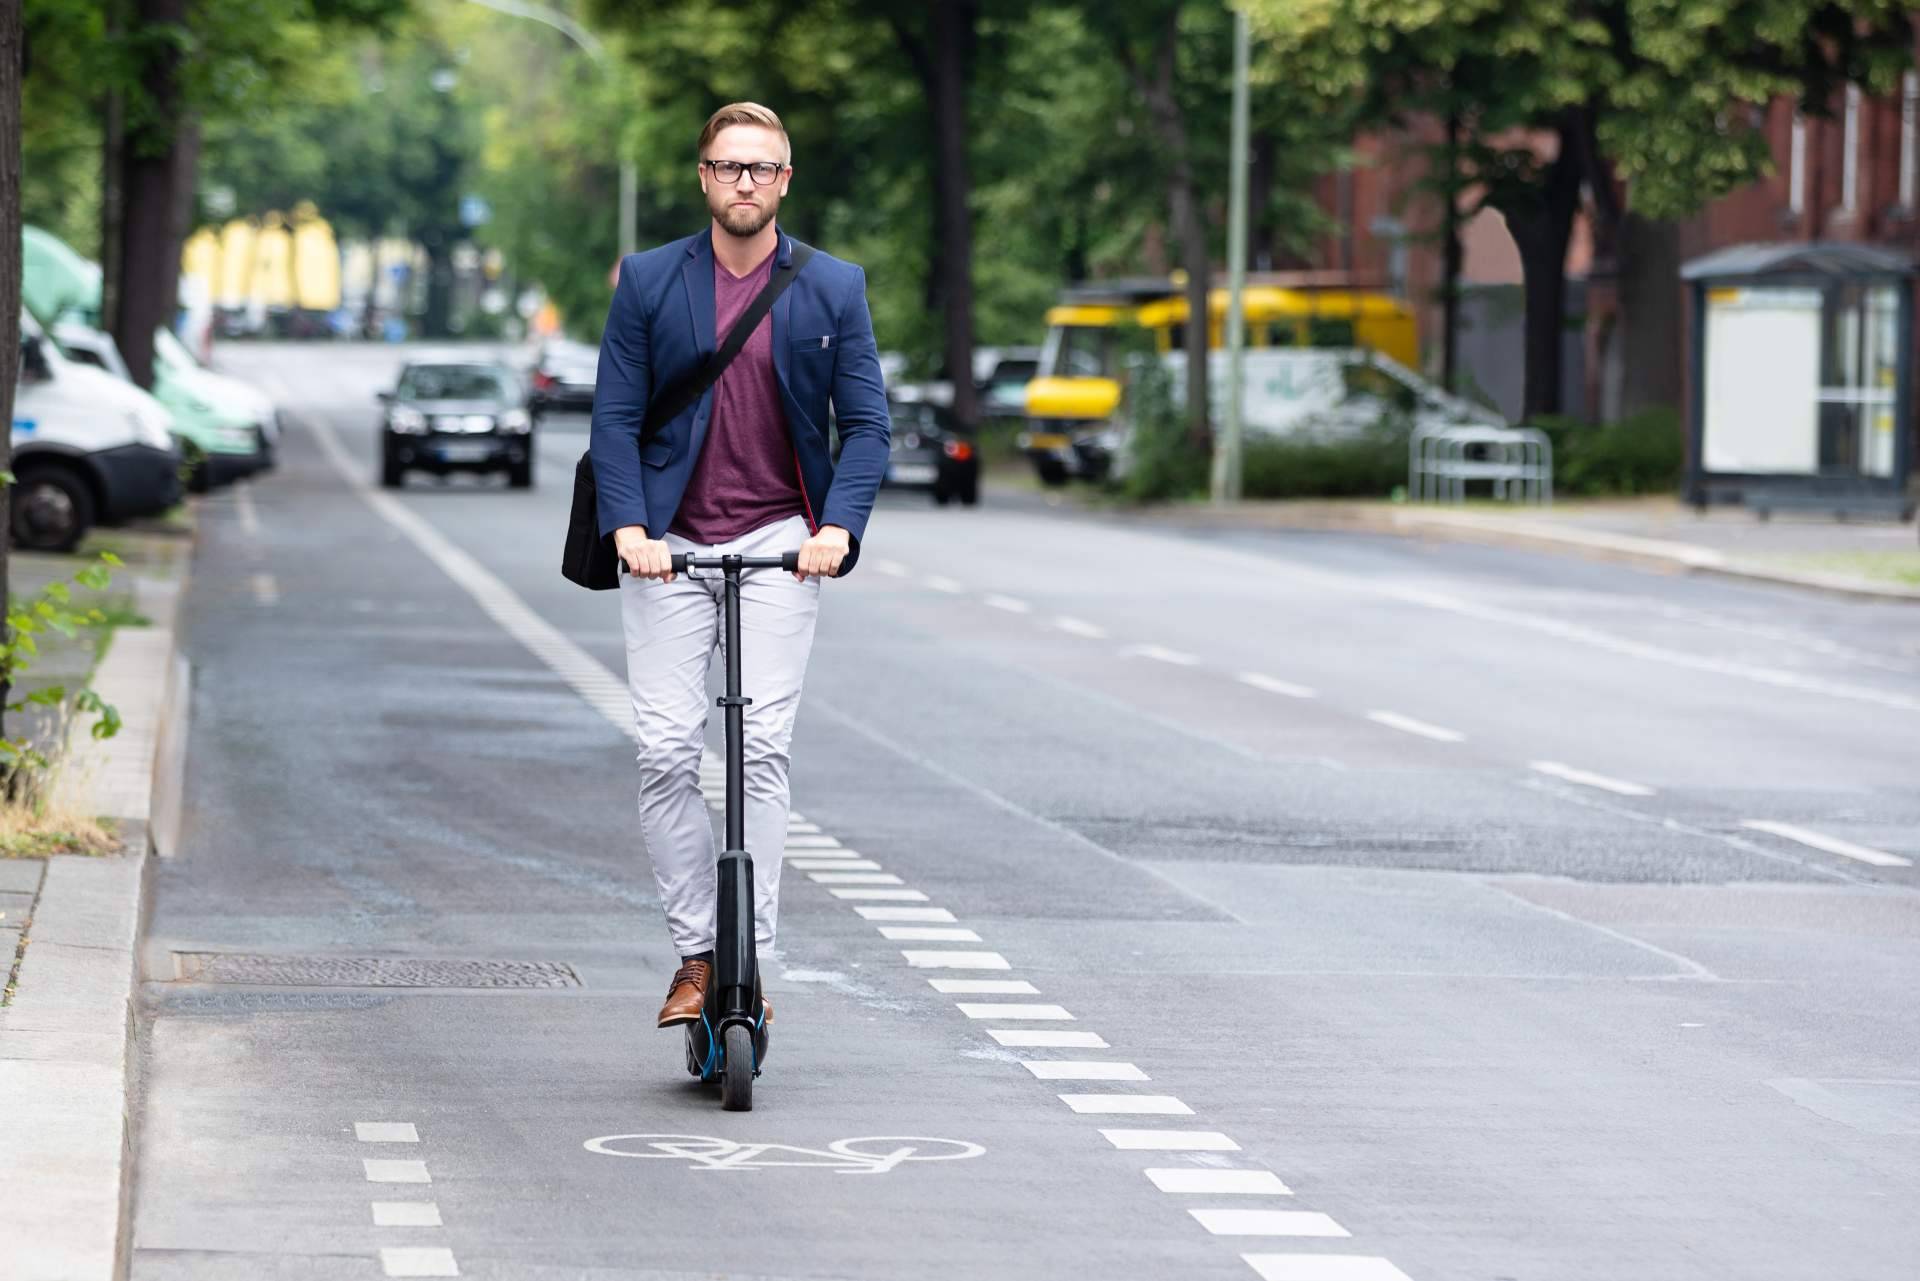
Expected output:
(88, 448)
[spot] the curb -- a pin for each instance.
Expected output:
(68, 1054)
(1525, 534)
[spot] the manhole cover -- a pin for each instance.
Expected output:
(368, 971)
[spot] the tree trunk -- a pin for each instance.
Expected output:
(11, 69)
(153, 169)
(1260, 169)
(1452, 258)
(953, 26)
(1158, 91)
(435, 323)
(1540, 219)
(1649, 283)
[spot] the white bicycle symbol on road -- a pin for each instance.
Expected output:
(873, 1154)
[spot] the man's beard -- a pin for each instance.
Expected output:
(742, 221)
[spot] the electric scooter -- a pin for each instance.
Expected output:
(728, 1043)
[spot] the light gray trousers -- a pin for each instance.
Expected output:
(673, 632)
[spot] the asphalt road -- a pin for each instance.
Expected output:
(1354, 909)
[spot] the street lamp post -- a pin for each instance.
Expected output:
(1226, 453)
(568, 26)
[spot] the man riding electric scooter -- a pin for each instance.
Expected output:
(742, 469)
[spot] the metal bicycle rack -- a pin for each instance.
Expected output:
(1518, 461)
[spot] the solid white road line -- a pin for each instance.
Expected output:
(1408, 725)
(1036, 1038)
(1170, 1141)
(984, 987)
(904, 913)
(1587, 778)
(1268, 1223)
(955, 960)
(854, 878)
(1273, 686)
(266, 590)
(1219, 1182)
(1007, 603)
(941, 583)
(1323, 1267)
(810, 841)
(1160, 653)
(406, 1214)
(396, 1171)
(1014, 1010)
(1080, 627)
(1126, 1104)
(833, 864)
(1082, 1070)
(418, 1261)
(1831, 844)
(879, 896)
(385, 1132)
(928, 934)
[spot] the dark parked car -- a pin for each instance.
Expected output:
(456, 415)
(563, 376)
(930, 451)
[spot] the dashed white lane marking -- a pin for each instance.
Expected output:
(406, 1214)
(396, 1171)
(1408, 725)
(1273, 685)
(1323, 1267)
(1182, 1179)
(891, 568)
(833, 864)
(266, 590)
(797, 828)
(905, 913)
(1587, 778)
(385, 1132)
(840, 858)
(928, 934)
(1040, 1038)
(418, 1261)
(1082, 1070)
(1080, 627)
(1170, 1141)
(955, 960)
(1007, 603)
(984, 987)
(1014, 1010)
(941, 583)
(810, 841)
(1160, 653)
(1268, 1223)
(243, 508)
(888, 896)
(1831, 844)
(854, 878)
(1126, 1104)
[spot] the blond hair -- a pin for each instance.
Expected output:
(744, 113)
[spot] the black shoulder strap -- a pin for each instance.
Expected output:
(672, 402)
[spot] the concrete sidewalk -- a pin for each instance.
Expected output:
(66, 1031)
(1875, 560)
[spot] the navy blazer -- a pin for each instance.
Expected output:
(660, 328)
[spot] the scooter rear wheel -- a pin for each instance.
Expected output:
(736, 1077)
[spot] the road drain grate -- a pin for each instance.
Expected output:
(368, 971)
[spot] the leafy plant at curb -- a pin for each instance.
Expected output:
(1640, 454)
(28, 619)
(1161, 462)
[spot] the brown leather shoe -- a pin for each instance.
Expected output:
(687, 994)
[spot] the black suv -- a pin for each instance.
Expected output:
(456, 415)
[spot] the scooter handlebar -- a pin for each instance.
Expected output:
(682, 561)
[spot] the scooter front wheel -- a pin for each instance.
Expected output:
(736, 1075)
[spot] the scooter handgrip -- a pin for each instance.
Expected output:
(790, 561)
(680, 562)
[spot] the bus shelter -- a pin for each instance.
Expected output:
(1801, 376)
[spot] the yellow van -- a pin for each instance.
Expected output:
(1092, 330)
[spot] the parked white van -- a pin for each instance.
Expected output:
(87, 448)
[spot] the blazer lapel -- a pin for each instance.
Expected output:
(698, 275)
(783, 254)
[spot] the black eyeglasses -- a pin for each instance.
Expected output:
(728, 171)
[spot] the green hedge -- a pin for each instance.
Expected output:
(1643, 454)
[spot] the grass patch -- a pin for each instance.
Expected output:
(28, 831)
(1900, 568)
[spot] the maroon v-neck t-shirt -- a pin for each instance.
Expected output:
(746, 475)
